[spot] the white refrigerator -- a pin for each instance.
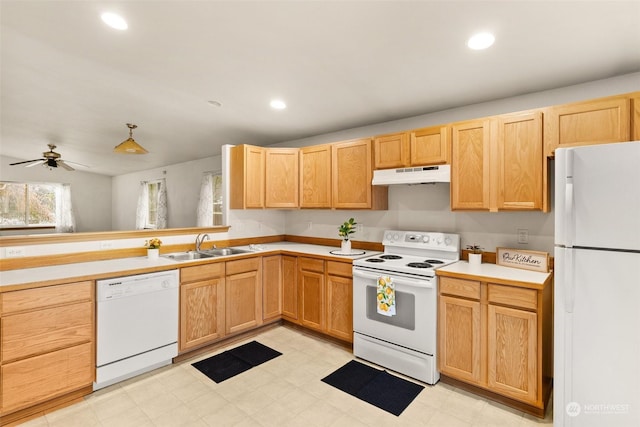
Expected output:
(597, 286)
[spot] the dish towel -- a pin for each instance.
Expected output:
(386, 296)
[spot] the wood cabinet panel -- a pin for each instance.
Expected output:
(459, 338)
(315, 176)
(311, 293)
(470, 165)
(512, 296)
(36, 332)
(311, 264)
(520, 161)
(290, 287)
(271, 287)
(242, 266)
(460, 287)
(352, 174)
(584, 123)
(513, 353)
(202, 272)
(343, 269)
(635, 117)
(36, 379)
(243, 309)
(31, 299)
(281, 178)
(430, 146)
(246, 177)
(202, 317)
(391, 151)
(339, 305)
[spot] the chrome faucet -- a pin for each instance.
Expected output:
(199, 239)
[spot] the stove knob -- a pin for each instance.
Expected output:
(388, 236)
(396, 236)
(426, 239)
(439, 240)
(447, 241)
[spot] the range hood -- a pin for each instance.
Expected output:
(413, 175)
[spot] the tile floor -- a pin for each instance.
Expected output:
(285, 391)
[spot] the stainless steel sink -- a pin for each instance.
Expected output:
(209, 253)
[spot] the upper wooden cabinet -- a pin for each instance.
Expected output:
(584, 123)
(635, 116)
(420, 147)
(352, 171)
(281, 177)
(470, 153)
(315, 176)
(497, 163)
(247, 176)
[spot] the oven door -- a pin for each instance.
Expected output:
(414, 324)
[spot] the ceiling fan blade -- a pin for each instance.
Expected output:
(64, 165)
(76, 164)
(42, 161)
(26, 161)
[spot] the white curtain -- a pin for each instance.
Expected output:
(205, 204)
(161, 221)
(143, 206)
(65, 220)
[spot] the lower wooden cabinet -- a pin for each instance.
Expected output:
(271, 287)
(47, 345)
(497, 338)
(339, 300)
(290, 287)
(311, 293)
(243, 295)
(202, 304)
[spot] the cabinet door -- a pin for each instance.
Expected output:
(243, 309)
(281, 178)
(459, 338)
(247, 165)
(470, 165)
(520, 161)
(339, 302)
(290, 287)
(201, 312)
(352, 173)
(311, 299)
(30, 381)
(513, 353)
(315, 176)
(635, 117)
(391, 151)
(585, 123)
(430, 146)
(271, 287)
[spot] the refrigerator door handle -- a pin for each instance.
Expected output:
(569, 282)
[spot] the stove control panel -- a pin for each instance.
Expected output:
(422, 239)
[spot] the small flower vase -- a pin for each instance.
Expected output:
(153, 253)
(475, 259)
(345, 246)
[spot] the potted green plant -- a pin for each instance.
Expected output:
(475, 254)
(347, 228)
(153, 247)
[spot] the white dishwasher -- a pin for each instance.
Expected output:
(137, 325)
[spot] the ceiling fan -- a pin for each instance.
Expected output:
(50, 159)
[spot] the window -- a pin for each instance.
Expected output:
(24, 205)
(217, 199)
(152, 213)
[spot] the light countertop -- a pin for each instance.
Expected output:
(14, 279)
(496, 274)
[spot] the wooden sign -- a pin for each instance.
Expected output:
(527, 260)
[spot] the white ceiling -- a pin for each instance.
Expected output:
(70, 80)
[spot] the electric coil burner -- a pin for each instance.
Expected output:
(404, 338)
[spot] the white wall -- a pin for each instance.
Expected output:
(90, 192)
(183, 192)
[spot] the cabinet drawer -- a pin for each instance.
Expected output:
(202, 272)
(311, 264)
(460, 287)
(339, 269)
(34, 380)
(242, 266)
(41, 331)
(516, 297)
(48, 296)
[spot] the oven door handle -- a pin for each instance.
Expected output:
(400, 280)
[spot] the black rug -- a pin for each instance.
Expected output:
(379, 388)
(235, 361)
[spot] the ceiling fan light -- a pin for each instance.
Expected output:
(51, 163)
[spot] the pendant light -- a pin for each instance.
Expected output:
(130, 146)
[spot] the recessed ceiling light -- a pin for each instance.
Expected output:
(114, 21)
(480, 41)
(278, 104)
